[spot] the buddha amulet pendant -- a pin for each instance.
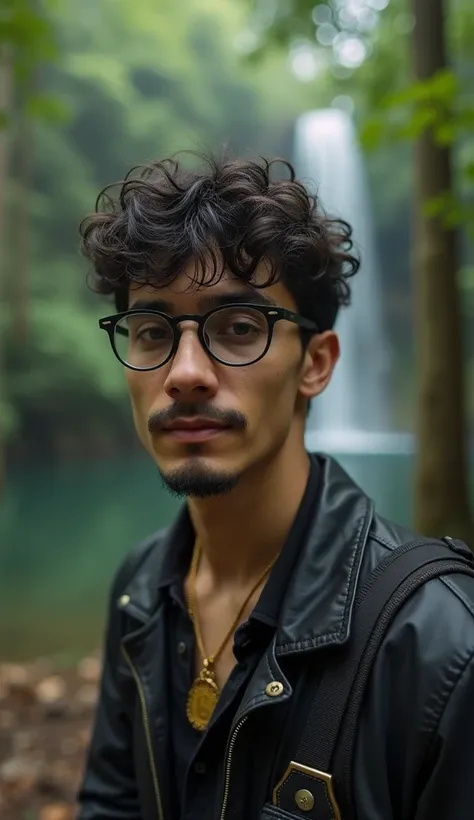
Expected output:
(202, 700)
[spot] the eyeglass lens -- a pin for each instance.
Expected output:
(233, 335)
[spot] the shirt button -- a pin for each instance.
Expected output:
(181, 648)
(200, 767)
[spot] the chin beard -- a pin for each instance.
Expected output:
(198, 481)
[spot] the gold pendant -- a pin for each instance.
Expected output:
(202, 700)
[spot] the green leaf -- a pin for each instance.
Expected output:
(47, 107)
(468, 171)
(445, 133)
(448, 208)
(444, 86)
(373, 132)
(464, 118)
(440, 90)
(420, 121)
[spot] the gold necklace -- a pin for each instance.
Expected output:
(204, 692)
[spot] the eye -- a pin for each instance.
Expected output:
(243, 327)
(152, 333)
(236, 323)
(144, 331)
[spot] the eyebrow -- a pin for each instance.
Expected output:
(254, 297)
(151, 304)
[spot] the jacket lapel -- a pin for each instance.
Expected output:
(317, 607)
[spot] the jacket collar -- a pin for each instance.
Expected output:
(317, 606)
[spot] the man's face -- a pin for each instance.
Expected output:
(240, 416)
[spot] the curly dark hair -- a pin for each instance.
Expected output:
(228, 214)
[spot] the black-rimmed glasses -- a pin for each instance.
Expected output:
(235, 335)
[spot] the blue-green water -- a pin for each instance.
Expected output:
(63, 531)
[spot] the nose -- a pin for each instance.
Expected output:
(192, 375)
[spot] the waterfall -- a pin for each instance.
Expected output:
(353, 411)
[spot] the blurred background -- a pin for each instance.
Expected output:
(372, 100)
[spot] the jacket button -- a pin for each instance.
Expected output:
(274, 689)
(124, 600)
(304, 799)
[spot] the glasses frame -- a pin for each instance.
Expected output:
(272, 315)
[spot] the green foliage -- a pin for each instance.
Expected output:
(46, 107)
(26, 32)
(452, 211)
(390, 107)
(436, 105)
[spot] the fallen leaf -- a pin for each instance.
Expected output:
(51, 689)
(56, 811)
(89, 669)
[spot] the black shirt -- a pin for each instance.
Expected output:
(197, 756)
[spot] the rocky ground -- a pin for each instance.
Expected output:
(45, 722)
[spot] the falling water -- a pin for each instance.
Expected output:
(353, 412)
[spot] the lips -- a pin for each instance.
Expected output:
(193, 430)
(195, 424)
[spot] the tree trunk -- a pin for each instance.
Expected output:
(5, 81)
(441, 494)
(21, 217)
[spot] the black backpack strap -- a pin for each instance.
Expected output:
(328, 740)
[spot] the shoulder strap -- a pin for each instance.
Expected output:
(328, 740)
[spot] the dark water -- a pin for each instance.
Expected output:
(63, 532)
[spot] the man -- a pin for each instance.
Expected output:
(227, 284)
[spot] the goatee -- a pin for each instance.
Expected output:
(198, 481)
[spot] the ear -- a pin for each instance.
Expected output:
(319, 360)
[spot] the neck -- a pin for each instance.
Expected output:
(242, 532)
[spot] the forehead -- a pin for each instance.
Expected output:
(185, 295)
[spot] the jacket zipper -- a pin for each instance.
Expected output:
(146, 727)
(228, 764)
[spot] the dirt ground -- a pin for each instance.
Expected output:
(45, 723)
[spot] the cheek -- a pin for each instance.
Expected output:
(283, 364)
(141, 391)
(143, 387)
(272, 389)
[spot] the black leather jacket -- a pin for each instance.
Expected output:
(422, 685)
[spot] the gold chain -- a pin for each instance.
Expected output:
(204, 691)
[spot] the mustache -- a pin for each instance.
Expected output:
(189, 410)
